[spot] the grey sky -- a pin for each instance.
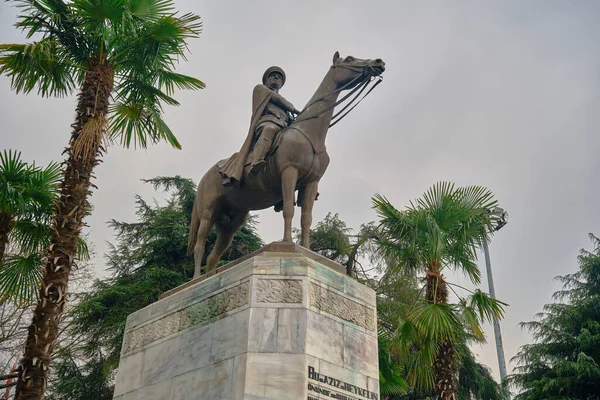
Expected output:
(500, 94)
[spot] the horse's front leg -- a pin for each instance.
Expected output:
(308, 199)
(289, 177)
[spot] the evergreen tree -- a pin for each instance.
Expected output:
(148, 259)
(564, 361)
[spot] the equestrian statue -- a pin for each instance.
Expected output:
(281, 155)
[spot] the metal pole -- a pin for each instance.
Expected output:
(497, 333)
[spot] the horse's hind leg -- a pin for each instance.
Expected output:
(309, 193)
(289, 178)
(207, 208)
(225, 233)
(206, 222)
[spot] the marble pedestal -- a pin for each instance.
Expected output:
(281, 323)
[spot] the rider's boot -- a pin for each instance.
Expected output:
(260, 151)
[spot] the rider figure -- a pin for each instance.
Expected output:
(269, 116)
(274, 116)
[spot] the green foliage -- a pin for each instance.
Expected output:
(20, 277)
(406, 350)
(148, 259)
(442, 230)
(397, 295)
(141, 40)
(331, 238)
(391, 381)
(74, 381)
(439, 320)
(102, 314)
(405, 353)
(27, 197)
(475, 380)
(564, 360)
(27, 191)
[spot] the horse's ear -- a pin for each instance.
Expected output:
(336, 56)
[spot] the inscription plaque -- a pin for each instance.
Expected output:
(336, 388)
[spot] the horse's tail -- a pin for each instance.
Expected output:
(194, 225)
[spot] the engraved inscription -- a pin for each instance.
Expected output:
(279, 291)
(341, 307)
(194, 314)
(331, 387)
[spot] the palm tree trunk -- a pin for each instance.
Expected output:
(5, 227)
(85, 148)
(445, 369)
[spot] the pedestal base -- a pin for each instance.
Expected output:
(281, 323)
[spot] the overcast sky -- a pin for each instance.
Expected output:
(500, 94)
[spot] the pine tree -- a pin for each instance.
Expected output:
(148, 259)
(564, 361)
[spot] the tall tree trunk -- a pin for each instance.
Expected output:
(445, 368)
(85, 148)
(351, 263)
(5, 227)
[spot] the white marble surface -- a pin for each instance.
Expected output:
(218, 344)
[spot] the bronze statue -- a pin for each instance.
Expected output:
(297, 161)
(269, 115)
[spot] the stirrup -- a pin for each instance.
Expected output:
(258, 166)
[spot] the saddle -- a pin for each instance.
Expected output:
(316, 148)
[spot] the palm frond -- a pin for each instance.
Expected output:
(83, 250)
(436, 195)
(487, 307)
(134, 125)
(151, 10)
(390, 378)
(158, 45)
(55, 20)
(435, 320)
(144, 64)
(170, 80)
(418, 366)
(13, 174)
(477, 198)
(32, 236)
(13, 169)
(40, 64)
(96, 14)
(472, 321)
(20, 277)
(41, 16)
(26, 190)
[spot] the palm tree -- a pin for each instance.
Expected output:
(121, 55)
(441, 231)
(27, 199)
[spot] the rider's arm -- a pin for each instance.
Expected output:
(283, 103)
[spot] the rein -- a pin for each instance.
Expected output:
(379, 79)
(365, 80)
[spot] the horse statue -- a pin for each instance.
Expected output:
(297, 161)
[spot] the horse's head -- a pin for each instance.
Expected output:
(349, 70)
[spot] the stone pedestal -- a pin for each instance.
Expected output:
(281, 323)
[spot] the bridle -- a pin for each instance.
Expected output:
(367, 75)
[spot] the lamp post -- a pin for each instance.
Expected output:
(502, 216)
